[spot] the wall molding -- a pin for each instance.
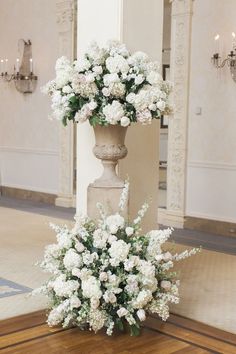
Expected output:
(23, 150)
(198, 222)
(212, 165)
(27, 188)
(19, 192)
(209, 217)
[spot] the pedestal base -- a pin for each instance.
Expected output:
(108, 196)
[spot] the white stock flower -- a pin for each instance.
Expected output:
(55, 317)
(144, 117)
(100, 238)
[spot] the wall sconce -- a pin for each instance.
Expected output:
(230, 60)
(23, 75)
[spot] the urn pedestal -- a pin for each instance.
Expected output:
(107, 189)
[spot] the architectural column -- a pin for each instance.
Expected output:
(139, 24)
(178, 124)
(66, 21)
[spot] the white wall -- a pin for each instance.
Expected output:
(28, 140)
(211, 172)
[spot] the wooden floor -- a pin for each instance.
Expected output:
(29, 334)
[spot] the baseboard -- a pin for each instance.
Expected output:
(223, 228)
(173, 219)
(65, 202)
(25, 194)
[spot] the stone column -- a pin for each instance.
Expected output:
(178, 124)
(139, 25)
(66, 21)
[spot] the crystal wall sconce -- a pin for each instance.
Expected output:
(230, 60)
(23, 75)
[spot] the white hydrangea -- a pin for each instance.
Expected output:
(72, 259)
(65, 288)
(91, 288)
(114, 222)
(113, 112)
(100, 238)
(116, 64)
(118, 251)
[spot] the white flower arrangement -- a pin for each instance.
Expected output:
(109, 274)
(108, 86)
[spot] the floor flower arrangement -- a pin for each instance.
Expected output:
(109, 274)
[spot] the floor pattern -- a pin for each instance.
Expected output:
(9, 288)
(29, 334)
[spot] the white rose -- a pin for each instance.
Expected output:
(97, 69)
(103, 276)
(152, 107)
(105, 92)
(109, 297)
(159, 257)
(79, 247)
(113, 229)
(122, 312)
(92, 105)
(76, 272)
(129, 231)
(67, 89)
(141, 315)
(161, 105)
(125, 121)
(138, 79)
(166, 284)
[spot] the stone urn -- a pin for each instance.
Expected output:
(109, 148)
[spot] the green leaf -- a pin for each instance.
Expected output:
(119, 324)
(134, 330)
(64, 121)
